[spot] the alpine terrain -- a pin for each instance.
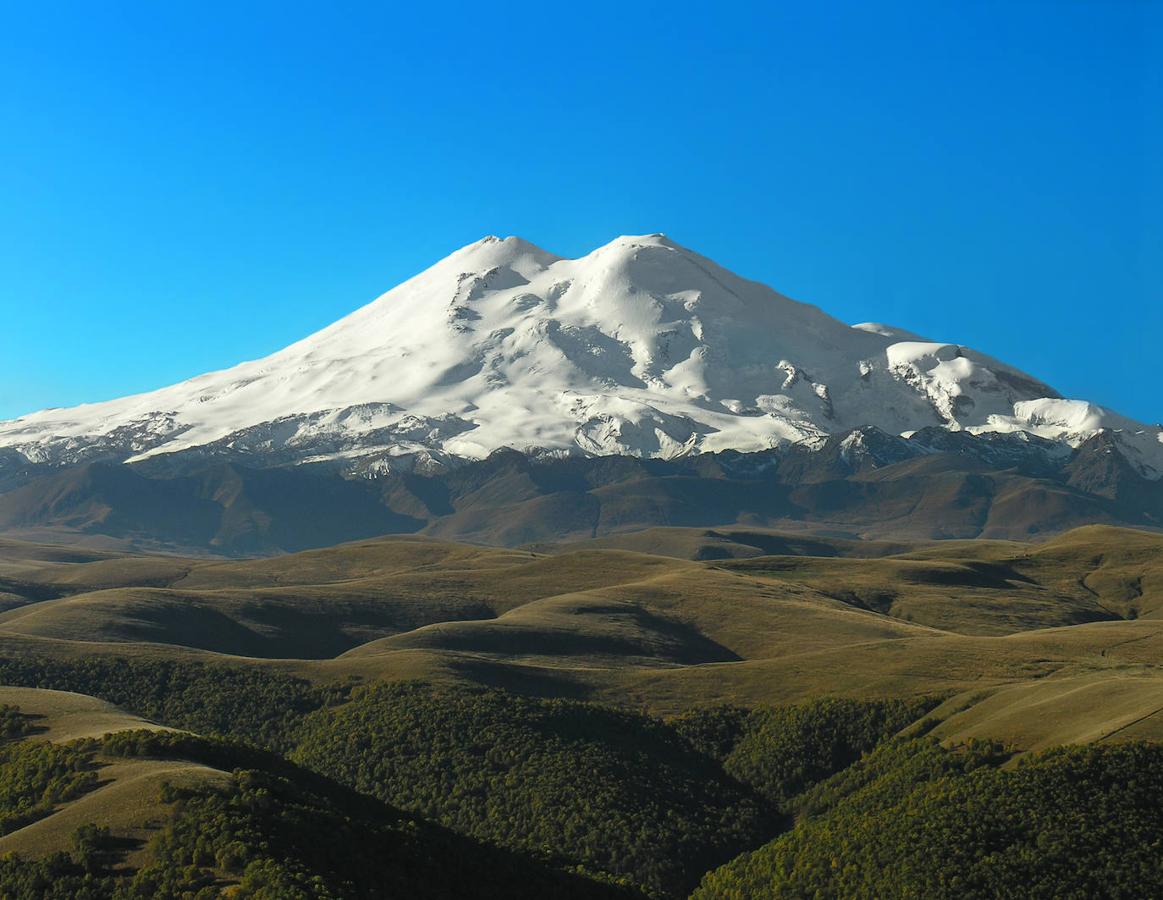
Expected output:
(640, 348)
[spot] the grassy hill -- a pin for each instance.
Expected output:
(628, 627)
(624, 715)
(123, 795)
(425, 594)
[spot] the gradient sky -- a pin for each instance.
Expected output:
(186, 185)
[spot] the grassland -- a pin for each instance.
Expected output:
(1028, 622)
(126, 794)
(1031, 646)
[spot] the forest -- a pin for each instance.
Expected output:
(370, 790)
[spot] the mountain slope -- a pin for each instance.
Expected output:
(935, 484)
(641, 348)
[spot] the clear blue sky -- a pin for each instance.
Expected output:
(185, 185)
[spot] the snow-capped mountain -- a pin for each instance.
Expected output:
(641, 347)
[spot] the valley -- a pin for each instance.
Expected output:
(461, 672)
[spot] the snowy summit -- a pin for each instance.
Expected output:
(642, 347)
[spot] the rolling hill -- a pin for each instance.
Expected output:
(842, 617)
(642, 714)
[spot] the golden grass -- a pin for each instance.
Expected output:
(61, 716)
(1072, 709)
(127, 798)
(127, 801)
(1053, 641)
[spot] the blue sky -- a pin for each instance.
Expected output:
(186, 185)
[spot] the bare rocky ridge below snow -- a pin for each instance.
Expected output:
(641, 348)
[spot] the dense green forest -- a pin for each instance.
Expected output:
(279, 835)
(917, 820)
(654, 803)
(260, 705)
(292, 834)
(613, 791)
(440, 791)
(781, 751)
(35, 776)
(621, 795)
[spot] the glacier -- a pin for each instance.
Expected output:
(642, 347)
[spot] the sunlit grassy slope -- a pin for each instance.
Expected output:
(1069, 629)
(126, 797)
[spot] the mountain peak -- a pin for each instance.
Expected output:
(512, 243)
(641, 347)
(631, 243)
(491, 251)
(656, 239)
